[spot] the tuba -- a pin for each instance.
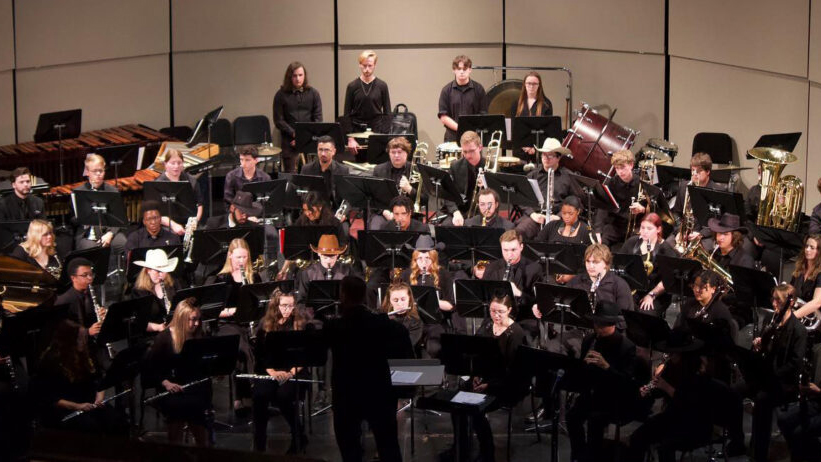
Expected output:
(781, 198)
(491, 164)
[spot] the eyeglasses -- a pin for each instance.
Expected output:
(286, 305)
(97, 171)
(85, 275)
(498, 312)
(532, 84)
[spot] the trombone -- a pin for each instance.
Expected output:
(494, 148)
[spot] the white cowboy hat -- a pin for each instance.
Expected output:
(553, 145)
(157, 259)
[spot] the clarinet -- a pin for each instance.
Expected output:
(166, 393)
(242, 275)
(423, 277)
(12, 374)
(98, 311)
(329, 273)
(592, 294)
(506, 276)
(165, 300)
(107, 400)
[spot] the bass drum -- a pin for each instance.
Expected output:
(502, 95)
(590, 161)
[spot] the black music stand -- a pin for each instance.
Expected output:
(366, 192)
(470, 242)
(98, 256)
(265, 191)
(530, 132)
(752, 287)
(783, 141)
(660, 206)
(299, 185)
(99, 208)
(557, 258)
(483, 124)
(25, 333)
(473, 296)
(121, 159)
(178, 196)
(439, 184)
(204, 125)
(595, 193)
(253, 299)
(124, 367)
(677, 274)
(57, 126)
(563, 306)
(125, 320)
(210, 298)
(709, 203)
(210, 164)
(645, 330)
(323, 297)
(211, 245)
(427, 303)
(631, 268)
(138, 254)
(378, 146)
(210, 356)
(387, 249)
(12, 233)
(515, 189)
(788, 243)
(308, 132)
(297, 240)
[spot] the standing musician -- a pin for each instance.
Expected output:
(398, 169)
(114, 237)
(489, 212)
(782, 346)
(247, 172)
(295, 101)
(367, 100)
(532, 102)
(155, 279)
(68, 380)
(21, 204)
(570, 229)
(152, 233)
(325, 165)
(175, 171)
(165, 370)
(612, 366)
(39, 247)
(461, 96)
(648, 244)
(78, 296)
(400, 306)
(281, 315)
(552, 151)
(327, 268)
(514, 267)
(464, 172)
(624, 185)
(401, 210)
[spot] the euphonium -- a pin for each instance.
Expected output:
(491, 164)
(695, 251)
(781, 198)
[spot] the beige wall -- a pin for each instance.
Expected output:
(6, 108)
(813, 148)
(6, 36)
(815, 45)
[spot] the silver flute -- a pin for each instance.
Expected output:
(269, 377)
(103, 402)
(166, 393)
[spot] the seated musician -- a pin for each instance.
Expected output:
(152, 233)
(800, 423)
(317, 212)
(571, 229)
(175, 171)
(701, 165)
(241, 213)
(281, 315)
(707, 305)
(464, 172)
(39, 247)
(401, 211)
(67, 380)
(461, 96)
(155, 279)
(624, 185)
(648, 244)
(400, 306)
(781, 348)
(325, 165)
(21, 204)
(114, 237)
(247, 172)
(398, 169)
(78, 296)
(367, 100)
(488, 215)
(806, 278)
(516, 268)
(729, 236)
(236, 272)
(533, 221)
(612, 392)
(295, 101)
(327, 268)
(531, 102)
(600, 281)
(164, 370)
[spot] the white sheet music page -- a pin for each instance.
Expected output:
(405, 377)
(466, 397)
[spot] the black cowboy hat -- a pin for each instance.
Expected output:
(728, 222)
(424, 243)
(607, 313)
(245, 202)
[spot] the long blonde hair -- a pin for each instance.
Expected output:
(37, 229)
(179, 323)
(434, 267)
(814, 266)
(143, 281)
(395, 287)
(235, 244)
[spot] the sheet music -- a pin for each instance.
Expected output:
(140, 153)
(405, 377)
(466, 397)
(74, 203)
(538, 192)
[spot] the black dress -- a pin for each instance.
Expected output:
(20, 253)
(805, 289)
(552, 235)
(633, 247)
(158, 315)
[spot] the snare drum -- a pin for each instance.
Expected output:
(588, 127)
(447, 153)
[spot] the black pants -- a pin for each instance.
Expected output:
(597, 413)
(381, 417)
(267, 392)
(765, 404)
(484, 434)
(669, 432)
(802, 437)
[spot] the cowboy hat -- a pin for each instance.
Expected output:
(728, 222)
(424, 243)
(157, 259)
(553, 145)
(328, 245)
(245, 202)
(607, 313)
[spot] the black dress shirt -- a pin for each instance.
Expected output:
(550, 233)
(80, 307)
(815, 220)
(336, 168)
(561, 187)
(235, 180)
(316, 272)
(805, 289)
(415, 226)
(524, 275)
(366, 104)
(495, 222)
(612, 288)
(736, 257)
(14, 208)
(624, 194)
(532, 111)
(20, 253)
(458, 100)
(141, 238)
(291, 106)
(387, 170)
(464, 177)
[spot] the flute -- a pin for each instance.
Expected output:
(166, 393)
(268, 377)
(96, 406)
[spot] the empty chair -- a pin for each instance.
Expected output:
(252, 130)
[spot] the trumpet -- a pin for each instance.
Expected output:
(494, 149)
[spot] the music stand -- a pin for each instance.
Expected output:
(22, 333)
(55, 126)
(427, 304)
(645, 330)
(482, 124)
(12, 233)
(366, 192)
(378, 146)
(98, 256)
(99, 208)
(473, 296)
(515, 189)
(391, 249)
(204, 125)
(210, 298)
(124, 366)
(177, 195)
(323, 295)
(127, 319)
(210, 164)
(264, 191)
(308, 132)
(297, 240)
(122, 159)
(709, 203)
(563, 306)
(470, 242)
(439, 184)
(631, 268)
(253, 299)
(668, 174)
(210, 356)
(299, 185)
(677, 274)
(530, 132)
(138, 254)
(788, 243)
(211, 245)
(752, 287)
(660, 206)
(596, 194)
(557, 258)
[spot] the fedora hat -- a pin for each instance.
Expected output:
(328, 245)
(245, 202)
(552, 145)
(728, 222)
(679, 341)
(424, 243)
(157, 259)
(607, 313)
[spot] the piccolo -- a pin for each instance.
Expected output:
(268, 377)
(166, 393)
(96, 406)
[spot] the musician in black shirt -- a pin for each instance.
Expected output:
(367, 100)
(246, 173)
(624, 185)
(175, 171)
(325, 165)
(398, 169)
(327, 268)
(295, 101)
(570, 229)
(398, 303)
(729, 236)
(21, 204)
(514, 267)
(461, 96)
(649, 244)
(152, 233)
(155, 279)
(78, 298)
(464, 172)
(603, 284)
(401, 209)
(105, 236)
(815, 216)
(488, 215)
(707, 306)
(39, 248)
(551, 154)
(531, 102)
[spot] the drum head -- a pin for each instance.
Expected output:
(502, 95)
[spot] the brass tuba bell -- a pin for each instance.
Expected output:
(781, 198)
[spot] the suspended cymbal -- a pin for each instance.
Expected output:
(653, 156)
(773, 155)
(268, 150)
(365, 134)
